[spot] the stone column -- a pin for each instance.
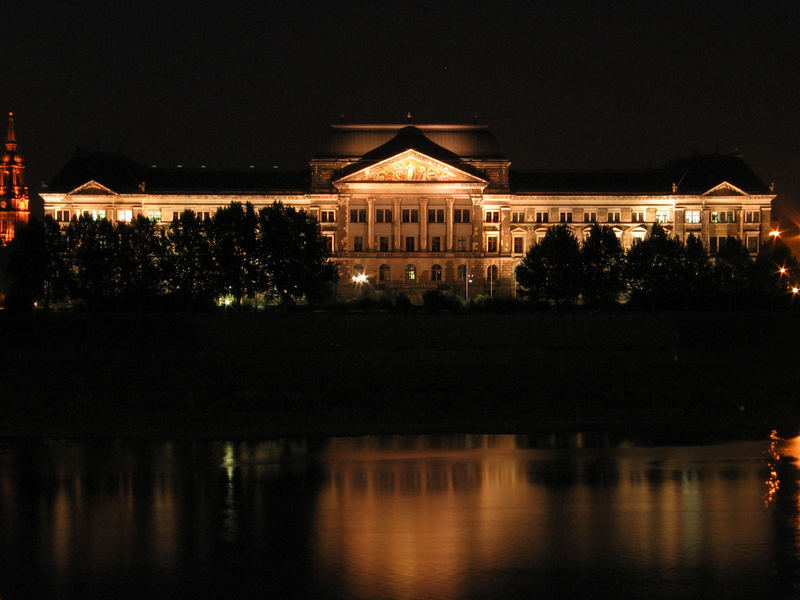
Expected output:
(504, 243)
(423, 224)
(449, 222)
(396, 221)
(370, 225)
(343, 223)
(477, 223)
(740, 214)
(704, 226)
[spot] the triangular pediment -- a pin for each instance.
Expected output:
(92, 187)
(725, 189)
(410, 166)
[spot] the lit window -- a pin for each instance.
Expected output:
(154, 215)
(491, 243)
(384, 273)
(692, 217)
(518, 245)
(436, 244)
(492, 216)
(542, 217)
(411, 272)
(518, 217)
(358, 243)
(436, 273)
(662, 215)
(125, 215)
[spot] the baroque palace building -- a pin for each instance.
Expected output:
(415, 207)
(14, 202)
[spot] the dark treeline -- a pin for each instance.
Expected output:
(276, 255)
(658, 272)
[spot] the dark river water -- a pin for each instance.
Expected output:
(473, 516)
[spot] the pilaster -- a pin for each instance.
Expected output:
(423, 224)
(449, 220)
(370, 224)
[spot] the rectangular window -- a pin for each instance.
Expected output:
(518, 217)
(410, 215)
(461, 244)
(492, 216)
(461, 215)
(62, 216)
(753, 216)
(518, 245)
(752, 244)
(565, 216)
(637, 216)
(692, 217)
(327, 216)
(204, 215)
(125, 215)
(435, 215)
(590, 217)
(383, 215)
(153, 215)
(491, 243)
(715, 217)
(358, 215)
(358, 243)
(713, 244)
(409, 244)
(329, 243)
(662, 215)
(436, 244)
(542, 217)
(384, 243)
(175, 215)
(614, 216)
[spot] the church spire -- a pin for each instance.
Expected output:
(11, 138)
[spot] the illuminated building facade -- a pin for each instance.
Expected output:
(14, 202)
(411, 208)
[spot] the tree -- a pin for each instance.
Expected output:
(142, 253)
(26, 266)
(698, 286)
(775, 271)
(190, 267)
(732, 271)
(234, 242)
(655, 270)
(602, 264)
(293, 256)
(551, 270)
(93, 249)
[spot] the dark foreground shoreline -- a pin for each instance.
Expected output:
(317, 374)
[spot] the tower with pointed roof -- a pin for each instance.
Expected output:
(14, 201)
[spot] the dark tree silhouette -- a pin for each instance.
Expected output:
(733, 272)
(190, 268)
(93, 247)
(142, 256)
(234, 235)
(602, 268)
(26, 266)
(655, 270)
(551, 270)
(293, 256)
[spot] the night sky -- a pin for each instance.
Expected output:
(563, 85)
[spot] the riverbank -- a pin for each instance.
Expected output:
(264, 375)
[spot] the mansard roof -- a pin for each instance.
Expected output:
(122, 175)
(409, 138)
(354, 141)
(693, 175)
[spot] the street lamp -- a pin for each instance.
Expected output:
(360, 278)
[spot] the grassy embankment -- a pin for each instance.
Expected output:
(238, 376)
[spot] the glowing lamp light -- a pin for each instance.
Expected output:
(795, 290)
(774, 233)
(782, 270)
(360, 278)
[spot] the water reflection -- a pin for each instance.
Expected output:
(467, 516)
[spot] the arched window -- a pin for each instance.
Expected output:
(461, 272)
(436, 273)
(358, 270)
(384, 273)
(411, 272)
(491, 273)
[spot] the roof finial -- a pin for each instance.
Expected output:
(11, 139)
(408, 116)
